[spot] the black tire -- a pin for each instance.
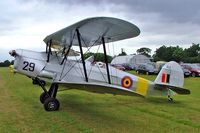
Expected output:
(43, 97)
(193, 74)
(51, 104)
(34, 82)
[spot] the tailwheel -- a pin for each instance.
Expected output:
(43, 97)
(170, 99)
(51, 104)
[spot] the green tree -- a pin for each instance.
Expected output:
(169, 53)
(98, 57)
(193, 50)
(122, 52)
(178, 54)
(160, 53)
(12, 62)
(6, 63)
(144, 51)
(192, 59)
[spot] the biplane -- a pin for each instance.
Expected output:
(56, 67)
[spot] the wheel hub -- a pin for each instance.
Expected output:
(51, 105)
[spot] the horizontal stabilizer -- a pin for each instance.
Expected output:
(173, 88)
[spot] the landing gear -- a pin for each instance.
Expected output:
(35, 82)
(170, 99)
(48, 98)
(51, 104)
(43, 97)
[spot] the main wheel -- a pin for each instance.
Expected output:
(51, 104)
(34, 82)
(43, 97)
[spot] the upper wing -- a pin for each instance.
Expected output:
(92, 29)
(101, 88)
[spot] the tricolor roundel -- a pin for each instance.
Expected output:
(126, 82)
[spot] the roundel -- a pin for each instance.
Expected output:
(126, 82)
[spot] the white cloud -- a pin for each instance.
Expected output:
(24, 24)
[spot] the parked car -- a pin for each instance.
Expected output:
(186, 72)
(198, 64)
(146, 69)
(193, 68)
(128, 67)
(119, 66)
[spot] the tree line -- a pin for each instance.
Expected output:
(175, 53)
(163, 53)
(178, 54)
(6, 63)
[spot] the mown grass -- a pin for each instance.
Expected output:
(21, 111)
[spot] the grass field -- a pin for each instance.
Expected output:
(21, 111)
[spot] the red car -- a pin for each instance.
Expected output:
(193, 68)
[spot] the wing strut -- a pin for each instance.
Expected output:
(81, 50)
(48, 56)
(65, 57)
(106, 60)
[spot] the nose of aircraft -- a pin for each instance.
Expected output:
(13, 53)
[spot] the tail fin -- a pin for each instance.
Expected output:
(171, 76)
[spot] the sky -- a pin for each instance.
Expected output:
(25, 23)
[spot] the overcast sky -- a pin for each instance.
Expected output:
(25, 23)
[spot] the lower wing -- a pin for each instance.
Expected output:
(101, 88)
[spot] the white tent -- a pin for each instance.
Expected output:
(131, 59)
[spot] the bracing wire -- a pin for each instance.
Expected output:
(78, 60)
(113, 46)
(71, 42)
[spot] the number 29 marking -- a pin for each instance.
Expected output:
(28, 66)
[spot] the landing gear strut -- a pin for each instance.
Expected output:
(48, 98)
(35, 82)
(170, 99)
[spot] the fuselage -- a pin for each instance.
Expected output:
(34, 64)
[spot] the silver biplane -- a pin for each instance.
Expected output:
(56, 67)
